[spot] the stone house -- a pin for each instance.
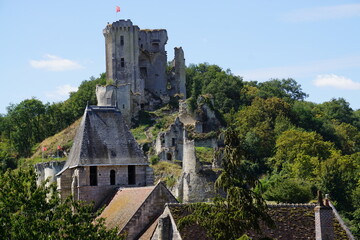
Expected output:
(104, 157)
(135, 211)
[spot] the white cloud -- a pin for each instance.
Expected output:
(324, 13)
(61, 92)
(55, 63)
(302, 70)
(339, 82)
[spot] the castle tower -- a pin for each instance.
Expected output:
(122, 54)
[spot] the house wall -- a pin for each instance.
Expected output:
(76, 182)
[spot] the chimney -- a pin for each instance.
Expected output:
(324, 217)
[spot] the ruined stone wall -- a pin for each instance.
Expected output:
(169, 144)
(48, 170)
(105, 95)
(153, 60)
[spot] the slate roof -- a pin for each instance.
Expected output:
(103, 138)
(293, 221)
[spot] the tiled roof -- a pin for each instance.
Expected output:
(103, 138)
(150, 231)
(293, 221)
(124, 205)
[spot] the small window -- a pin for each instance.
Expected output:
(121, 40)
(173, 141)
(123, 106)
(122, 62)
(112, 177)
(131, 175)
(93, 175)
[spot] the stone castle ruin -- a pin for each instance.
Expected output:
(136, 67)
(106, 165)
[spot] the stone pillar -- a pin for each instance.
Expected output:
(180, 73)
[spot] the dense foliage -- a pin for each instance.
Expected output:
(296, 147)
(242, 209)
(34, 212)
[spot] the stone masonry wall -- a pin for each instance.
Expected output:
(48, 170)
(149, 211)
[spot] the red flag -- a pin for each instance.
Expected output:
(59, 147)
(44, 148)
(117, 9)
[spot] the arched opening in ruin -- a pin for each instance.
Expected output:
(169, 156)
(112, 177)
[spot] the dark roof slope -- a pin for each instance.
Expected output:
(293, 221)
(103, 138)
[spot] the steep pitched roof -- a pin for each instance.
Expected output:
(124, 205)
(293, 221)
(103, 138)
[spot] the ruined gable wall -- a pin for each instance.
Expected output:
(153, 60)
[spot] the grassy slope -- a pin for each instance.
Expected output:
(64, 139)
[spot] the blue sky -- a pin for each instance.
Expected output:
(49, 47)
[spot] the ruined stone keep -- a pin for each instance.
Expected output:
(136, 67)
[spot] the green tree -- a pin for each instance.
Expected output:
(301, 153)
(26, 125)
(256, 125)
(289, 190)
(336, 109)
(30, 212)
(211, 79)
(287, 89)
(242, 209)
